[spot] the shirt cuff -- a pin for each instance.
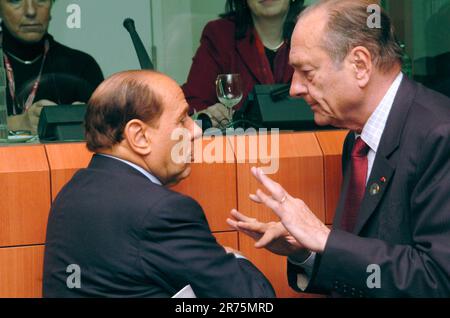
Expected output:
(307, 265)
(237, 255)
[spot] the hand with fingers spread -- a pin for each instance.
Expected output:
(295, 215)
(272, 236)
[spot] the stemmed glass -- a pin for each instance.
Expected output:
(229, 90)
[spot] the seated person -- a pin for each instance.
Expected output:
(129, 234)
(39, 70)
(252, 39)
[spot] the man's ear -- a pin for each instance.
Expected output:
(361, 62)
(138, 136)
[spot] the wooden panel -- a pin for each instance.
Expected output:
(212, 181)
(25, 195)
(300, 173)
(65, 160)
(21, 271)
(331, 143)
(229, 239)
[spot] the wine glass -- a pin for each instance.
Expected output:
(229, 90)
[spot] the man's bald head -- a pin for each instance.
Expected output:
(120, 98)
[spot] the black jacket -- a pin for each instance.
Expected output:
(133, 238)
(405, 227)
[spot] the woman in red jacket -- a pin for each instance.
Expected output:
(252, 38)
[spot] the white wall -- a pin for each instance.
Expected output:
(173, 27)
(177, 26)
(102, 34)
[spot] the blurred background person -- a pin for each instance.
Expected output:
(252, 39)
(39, 70)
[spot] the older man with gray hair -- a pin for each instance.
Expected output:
(391, 230)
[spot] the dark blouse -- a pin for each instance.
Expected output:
(68, 75)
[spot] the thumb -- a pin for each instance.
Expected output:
(265, 240)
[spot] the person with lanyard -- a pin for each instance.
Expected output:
(251, 39)
(39, 70)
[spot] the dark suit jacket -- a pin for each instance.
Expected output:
(220, 53)
(133, 238)
(405, 227)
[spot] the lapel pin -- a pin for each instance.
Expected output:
(374, 189)
(383, 179)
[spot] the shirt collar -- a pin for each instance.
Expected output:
(151, 177)
(374, 127)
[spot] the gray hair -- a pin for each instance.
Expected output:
(347, 28)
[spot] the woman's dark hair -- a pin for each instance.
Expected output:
(239, 11)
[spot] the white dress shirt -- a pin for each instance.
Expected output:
(371, 135)
(151, 177)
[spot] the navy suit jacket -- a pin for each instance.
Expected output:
(404, 228)
(133, 238)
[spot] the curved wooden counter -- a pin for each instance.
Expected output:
(32, 175)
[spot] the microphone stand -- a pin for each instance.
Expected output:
(144, 59)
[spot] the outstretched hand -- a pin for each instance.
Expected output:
(272, 236)
(295, 215)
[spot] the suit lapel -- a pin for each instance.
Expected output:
(379, 180)
(385, 162)
(348, 145)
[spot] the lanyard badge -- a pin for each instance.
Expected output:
(12, 85)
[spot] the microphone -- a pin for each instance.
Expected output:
(280, 93)
(144, 59)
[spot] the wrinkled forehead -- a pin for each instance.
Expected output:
(310, 27)
(170, 92)
(308, 34)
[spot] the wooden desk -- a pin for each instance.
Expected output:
(21, 271)
(331, 143)
(64, 160)
(32, 175)
(25, 195)
(213, 185)
(301, 174)
(24, 207)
